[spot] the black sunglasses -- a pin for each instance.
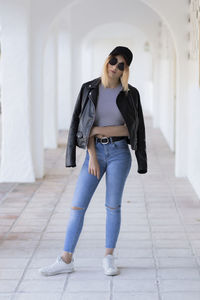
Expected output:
(113, 62)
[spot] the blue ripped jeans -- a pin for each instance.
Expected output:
(114, 159)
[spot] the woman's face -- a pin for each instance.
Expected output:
(113, 71)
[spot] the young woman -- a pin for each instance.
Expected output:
(107, 117)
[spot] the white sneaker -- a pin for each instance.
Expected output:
(58, 267)
(109, 265)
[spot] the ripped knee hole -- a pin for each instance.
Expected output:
(75, 207)
(114, 207)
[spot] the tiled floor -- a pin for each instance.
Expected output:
(158, 250)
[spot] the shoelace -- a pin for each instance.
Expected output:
(58, 260)
(51, 267)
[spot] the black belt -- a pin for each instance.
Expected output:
(111, 139)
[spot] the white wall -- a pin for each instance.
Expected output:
(194, 128)
(0, 63)
(16, 158)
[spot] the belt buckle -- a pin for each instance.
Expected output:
(104, 139)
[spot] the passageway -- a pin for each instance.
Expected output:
(158, 247)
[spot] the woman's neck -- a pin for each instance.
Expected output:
(113, 83)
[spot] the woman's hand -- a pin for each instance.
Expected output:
(93, 167)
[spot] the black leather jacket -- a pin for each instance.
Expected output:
(84, 115)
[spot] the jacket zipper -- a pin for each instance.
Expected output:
(87, 137)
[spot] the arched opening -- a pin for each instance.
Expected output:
(150, 65)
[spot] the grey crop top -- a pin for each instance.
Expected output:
(107, 111)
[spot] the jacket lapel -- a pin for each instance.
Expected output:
(94, 91)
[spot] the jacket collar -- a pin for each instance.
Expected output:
(94, 83)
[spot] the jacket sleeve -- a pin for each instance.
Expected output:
(70, 158)
(140, 152)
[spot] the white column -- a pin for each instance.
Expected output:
(37, 100)
(76, 64)
(16, 156)
(0, 62)
(147, 83)
(181, 162)
(64, 80)
(156, 92)
(50, 92)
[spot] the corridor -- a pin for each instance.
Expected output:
(158, 247)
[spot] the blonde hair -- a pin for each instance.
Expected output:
(123, 78)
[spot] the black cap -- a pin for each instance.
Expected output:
(125, 52)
